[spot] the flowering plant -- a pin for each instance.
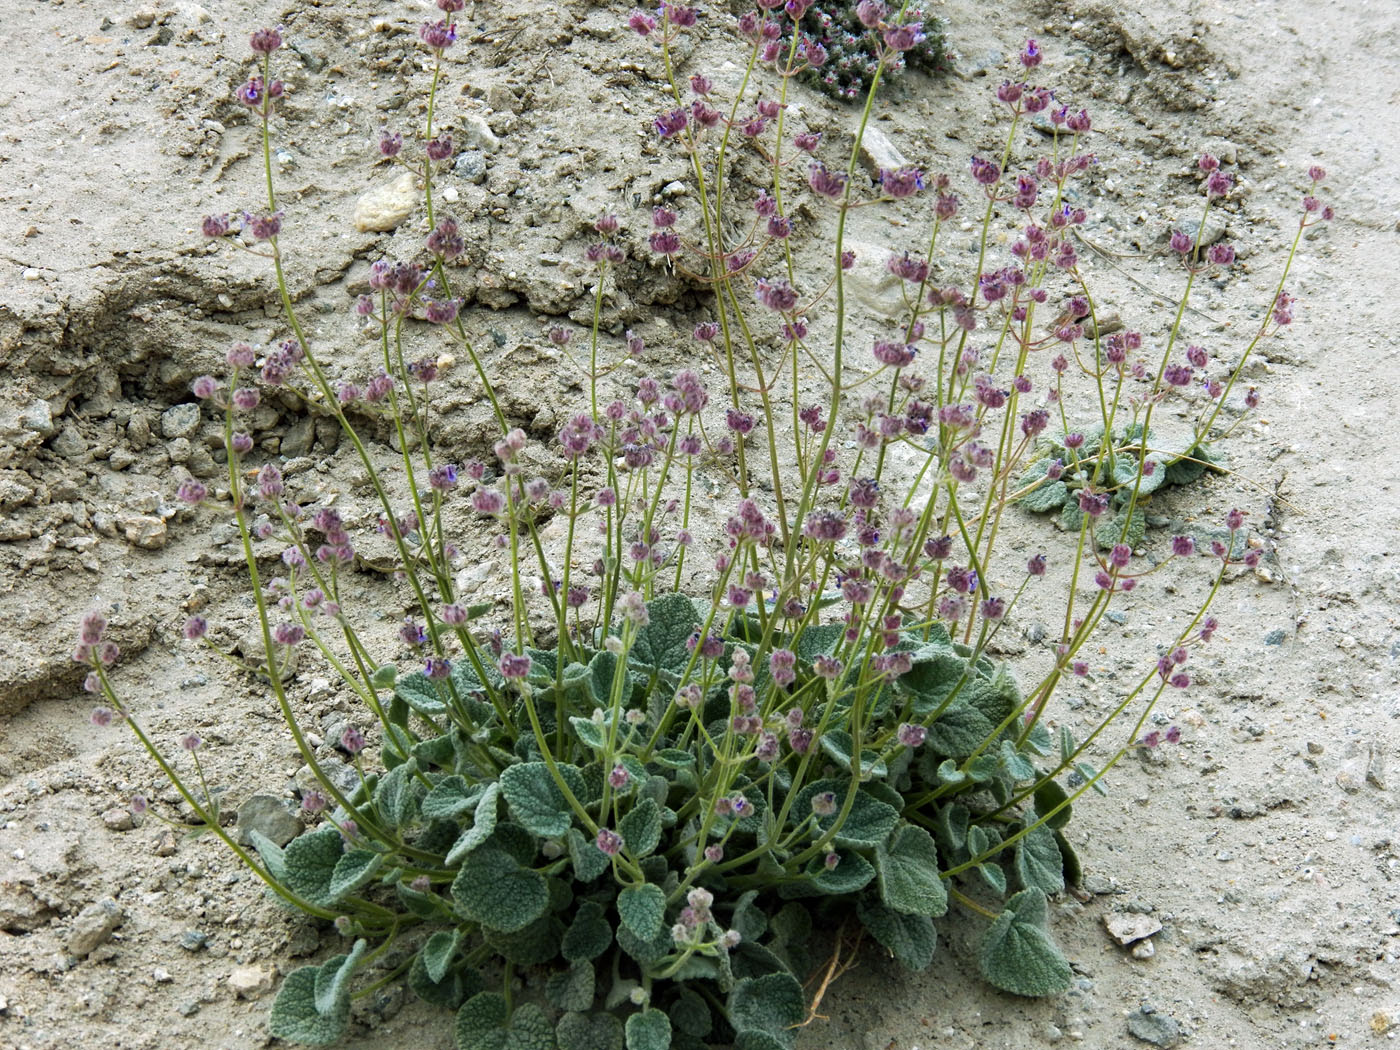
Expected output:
(656, 779)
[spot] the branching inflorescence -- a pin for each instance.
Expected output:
(668, 762)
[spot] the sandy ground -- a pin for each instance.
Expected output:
(1267, 844)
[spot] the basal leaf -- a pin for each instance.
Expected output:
(1047, 496)
(1037, 861)
(589, 934)
(352, 871)
(450, 798)
(483, 825)
(819, 640)
(439, 951)
(571, 989)
(496, 891)
(641, 827)
(455, 987)
(994, 875)
(771, 1004)
(852, 872)
(1049, 795)
(642, 910)
(396, 796)
(588, 860)
(661, 644)
(838, 744)
(960, 730)
(869, 822)
(691, 1014)
(1110, 531)
(649, 1030)
(593, 734)
(295, 1017)
(421, 693)
(535, 800)
(271, 854)
(479, 1022)
(1017, 954)
(907, 867)
(1017, 765)
(577, 1031)
(310, 861)
(534, 945)
(331, 994)
(910, 938)
(932, 681)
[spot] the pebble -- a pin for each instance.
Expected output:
(1144, 949)
(69, 443)
(161, 975)
(471, 166)
(250, 982)
(193, 940)
(1126, 928)
(1151, 1027)
(93, 926)
(477, 133)
(383, 208)
(38, 418)
(117, 819)
(269, 816)
(180, 421)
(188, 1008)
(1099, 885)
(878, 153)
(1276, 637)
(144, 531)
(166, 845)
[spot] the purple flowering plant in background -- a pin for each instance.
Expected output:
(683, 744)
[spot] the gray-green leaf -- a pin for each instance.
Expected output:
(649, 1030)
(494, 890)
(642, 910)
(641, 827)
(313, 1004)
(1018, 956)
(571, 989)
(1038, 862)
(483, 825)
(908, 871)
(535, 799)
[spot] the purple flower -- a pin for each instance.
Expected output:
(986, 172)
(824, 803)
(515, 666)
(671, 123)
(438, 35)
(776, 294)
(608, 842)
(265, 41)
(641, 23)
(195, 628)
(191, 742)
(912, 736)
(824, 182)
(1220, 254)
(352, 740)
(92, 627)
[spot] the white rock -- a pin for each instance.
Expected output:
(1126, 927)
(878, 153)
(144, 531)
(477, 134)
(93, 926)
(382, 208)
(870, 283)
(250, 982)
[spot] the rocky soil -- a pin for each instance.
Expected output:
(1260, 856)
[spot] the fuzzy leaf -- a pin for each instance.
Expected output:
(494, 890)
(1110, 530)
(384, 676)
(960, 730)
(1049, 795)
(910, 938)
(768, 1004)
(577, 1031)
(1126, 470)
(1037, 861)
(642, 910)
(1015, 763)
(479, 1021)
(313, 1004)
(1017, 955)
(271, 854)
(535, 799)
(691, 1014)
(352, 871)
(641, 827)
(455, 987)
(1069, 860)
(590, 732)
(483, 825)
(1048, 496)
(869, 822)
(674, 758)
(649, 1030)
(421, 693)
(1039, 739)
(588, 860)
(994, 875)
(933, 680)
(646, 952)
(950, 828)
(852, 872)
(396, 795)
(571, 989)
(537, 943)
(439, 951)
(450, 798)
(837, 743)
(310, 861)
(589, 935)
(819, 640)
(661, 644)
(908, 871)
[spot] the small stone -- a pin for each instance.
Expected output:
(1126, 928)
(878, 153)
(1381, 1022)
(1151, 1027)
(69, 443)
(471, 166)
(384, 207)
(477, 133)
(1144, 949)
(188, 1008)
(161, 975)
(250, 982)
(299, 437)
(144, 531)
(180, 421)
(1276, 637)
(38, 418)
(93, 926)
(193, 940)
(1215, 229)
(1099, 885)
(166, 845)
(117, 819)
(269, 816)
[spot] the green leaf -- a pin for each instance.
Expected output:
(908, 871)
(691, 1014)
(313, 1004)
(1048, 496)
(1017, 955)
(384, 676)
(661, 644)
(537, 943)
(1016, 764)
(588, 860)
(960, 730)
(931, 681)
(483, 825)
(949, 773)
(1037, 861)
(838, 744)
(772, 1004)
(571, 989)
(310, 860)
(421, 693)
(819, 640)
(455, 987)
(593, 734)
(1066, 745)
(748, 918)
(1069, 860)
(494, 890)
(589, 934)
(950, 828)
(674, 758)
(642, 910)
(1110, 531)
(479, 1022)
(439, 951)
(1039, 740)
(641, 827)
(647, 952)
(1090, 774)
(994, 875)
(353, 870)
(852, 872)
(910, 938)
(869, 822)
(271, 855)
(1049, 795)
(649, 1030)
(450, 798)
(577, 1031)
(1126, 471)
(396, 795)
(535, 799)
